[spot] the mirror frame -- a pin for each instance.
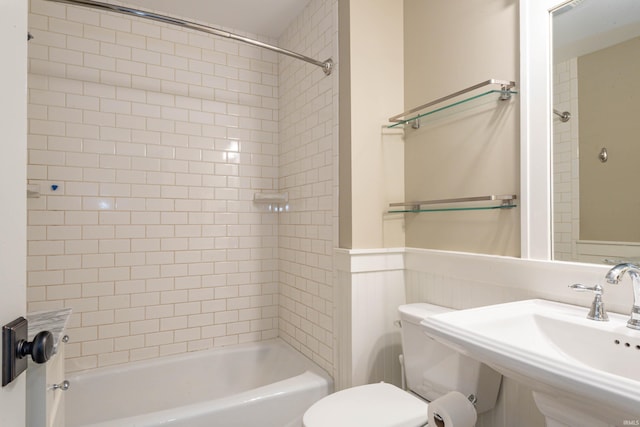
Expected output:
(536, 127)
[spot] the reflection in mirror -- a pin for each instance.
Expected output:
(596, 153)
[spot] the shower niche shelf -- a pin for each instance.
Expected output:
(505, 201)
(273, 202)
(453, 100)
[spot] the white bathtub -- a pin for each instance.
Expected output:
(265, 384)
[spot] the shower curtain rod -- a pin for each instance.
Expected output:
(327, 66)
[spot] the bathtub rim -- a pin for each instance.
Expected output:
(266, 392)
(160, 360)
(308, 370)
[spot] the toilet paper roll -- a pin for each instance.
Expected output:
(452, 410)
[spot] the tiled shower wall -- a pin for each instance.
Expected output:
(566, 200)
(308, 168)
(147, 144)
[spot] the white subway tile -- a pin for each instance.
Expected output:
(95, 32)
(157, 106)
(64, 203)
(84, 276)
(187, 335)
(169, 349)
(115, 358)
(82, 188)
(204, 319)
(145, 272)
(173, 270)
(62, 262)
(188, 77)
(47, 68)
(145, 29)
(145, 326)
(144, 353)
(159, 257)
(132, 204)
(131, 67)
(129, 259)
(84, 16)
(113, 274)
(82, 159)
(201, 117)
(97, 260)
(159, 338)
(96, 318)
(46, 97)
(113, 302)
(115, 78)
(130, 231)
(145, 299)
(115, 22)
(131, 40)
(98, 347)
(45, 218)
(239, 86)
(61, 292)
(129, 314)
(64, 26)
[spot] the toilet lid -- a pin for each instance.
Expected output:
(371, 405)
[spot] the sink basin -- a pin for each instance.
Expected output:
(552, 347)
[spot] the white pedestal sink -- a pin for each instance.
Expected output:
(584, 373)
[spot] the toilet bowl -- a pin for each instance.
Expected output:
(432, 370)
(371, 405)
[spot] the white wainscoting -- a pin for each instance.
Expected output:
(369, 290)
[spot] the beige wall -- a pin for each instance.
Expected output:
(345, 238)
(371, 91)
(609, 91)
(468, 151)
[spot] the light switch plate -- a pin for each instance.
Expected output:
(12, 334)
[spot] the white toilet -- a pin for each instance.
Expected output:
(432, 370)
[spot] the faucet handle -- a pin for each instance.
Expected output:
(597, 311)
(597, 289)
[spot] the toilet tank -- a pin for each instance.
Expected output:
(433, 369)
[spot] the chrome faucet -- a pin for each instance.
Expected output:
(597, 311)
(614, 275)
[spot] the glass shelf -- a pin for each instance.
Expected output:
(486, 94)
(476, 208)
(507, 201)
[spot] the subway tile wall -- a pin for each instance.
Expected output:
(566, 177)
(147, 143)
(308, 171)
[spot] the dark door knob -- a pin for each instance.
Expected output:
(40, 349)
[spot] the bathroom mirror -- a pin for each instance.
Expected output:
(595, 78)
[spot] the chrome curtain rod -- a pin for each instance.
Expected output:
(327, 66)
